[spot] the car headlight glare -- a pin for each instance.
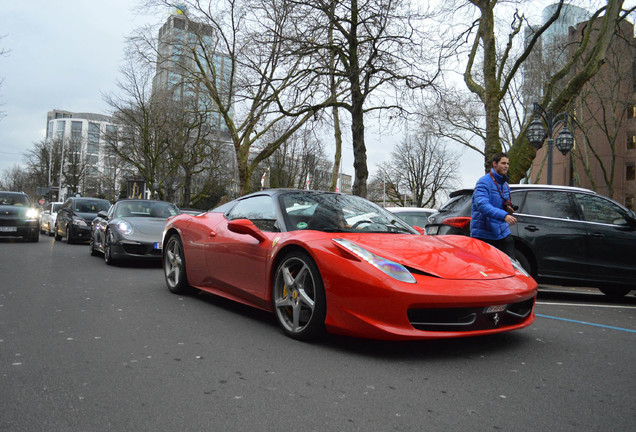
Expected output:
(31, 214)
(124, 227)
(517, 266)
(79, 221)
(391, 268)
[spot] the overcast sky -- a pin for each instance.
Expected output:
(65, 55)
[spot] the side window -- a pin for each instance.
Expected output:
(259, 209)
(553, 204)
(600, 210)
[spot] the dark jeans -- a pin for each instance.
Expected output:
(506, 245)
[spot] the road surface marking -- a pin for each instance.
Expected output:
(587, 323)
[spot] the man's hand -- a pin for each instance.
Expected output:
(510, 220)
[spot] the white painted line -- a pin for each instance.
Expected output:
(587, 305)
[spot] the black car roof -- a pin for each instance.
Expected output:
(517, 186)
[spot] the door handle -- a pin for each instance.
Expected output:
(531, 228)
(597, 235)
(212, 233)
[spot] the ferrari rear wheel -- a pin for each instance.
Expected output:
(299, 297)
(174, 267)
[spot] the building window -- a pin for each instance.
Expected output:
(630, 172)
(629, 203)
(631, 111)
(631, 142)
(76, 130)
(59, 129)
(93, 138)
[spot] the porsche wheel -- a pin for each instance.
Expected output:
(108, 248)
(299, 297)
(174, 267)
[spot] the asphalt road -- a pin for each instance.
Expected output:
(89, 347)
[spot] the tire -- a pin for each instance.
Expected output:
(58, 237)
(91, 246)
(69, 235)
(108, 249)
(299, 298)
(524, 261)
(50, 231)
(174, 266)
(615, 293)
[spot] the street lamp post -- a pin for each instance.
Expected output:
(537, 134)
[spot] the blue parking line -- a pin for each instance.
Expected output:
(587, 323)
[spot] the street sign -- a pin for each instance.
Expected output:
(41, 201)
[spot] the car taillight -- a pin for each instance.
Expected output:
(457, 222)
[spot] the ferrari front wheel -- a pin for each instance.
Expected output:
(174, 266)
(299, 297)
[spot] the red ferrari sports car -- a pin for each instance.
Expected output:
(323, 261)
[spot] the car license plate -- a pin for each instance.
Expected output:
(432, 230)
(157, 245)
(495, 308)
(8, 229)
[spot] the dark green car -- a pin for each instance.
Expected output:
(18, 218)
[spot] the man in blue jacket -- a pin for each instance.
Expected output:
(492, 209)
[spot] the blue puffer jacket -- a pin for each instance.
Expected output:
(488, 215)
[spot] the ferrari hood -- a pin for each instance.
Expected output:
(448, 257)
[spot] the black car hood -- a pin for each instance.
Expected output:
(88, 217)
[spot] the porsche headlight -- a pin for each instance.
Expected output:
(124, 227)
(31, 214)
(517, 266)
(79, 221)
(393, 269)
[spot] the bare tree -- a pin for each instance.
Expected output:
(236, 53)
(142, 121)
(420, 171)
(602, 113)
(16, 178)
(500, 65)
(379, 52)
(298, 159)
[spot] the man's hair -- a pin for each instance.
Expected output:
(497, 156)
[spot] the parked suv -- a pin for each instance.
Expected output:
(18, 218)
(564, 235)
(75, 216)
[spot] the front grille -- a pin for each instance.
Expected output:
(137, 249)
(469, 319)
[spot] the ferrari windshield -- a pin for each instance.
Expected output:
(331, 212)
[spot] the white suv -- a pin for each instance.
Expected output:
(47, 218)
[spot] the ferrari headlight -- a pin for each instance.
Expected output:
(124, 227)
(79, 221)
(517, 266)
(393, 269)
(31, 214)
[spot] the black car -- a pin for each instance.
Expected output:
(564, 235)
(18, 218)
(75, 216)
(132, 228)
